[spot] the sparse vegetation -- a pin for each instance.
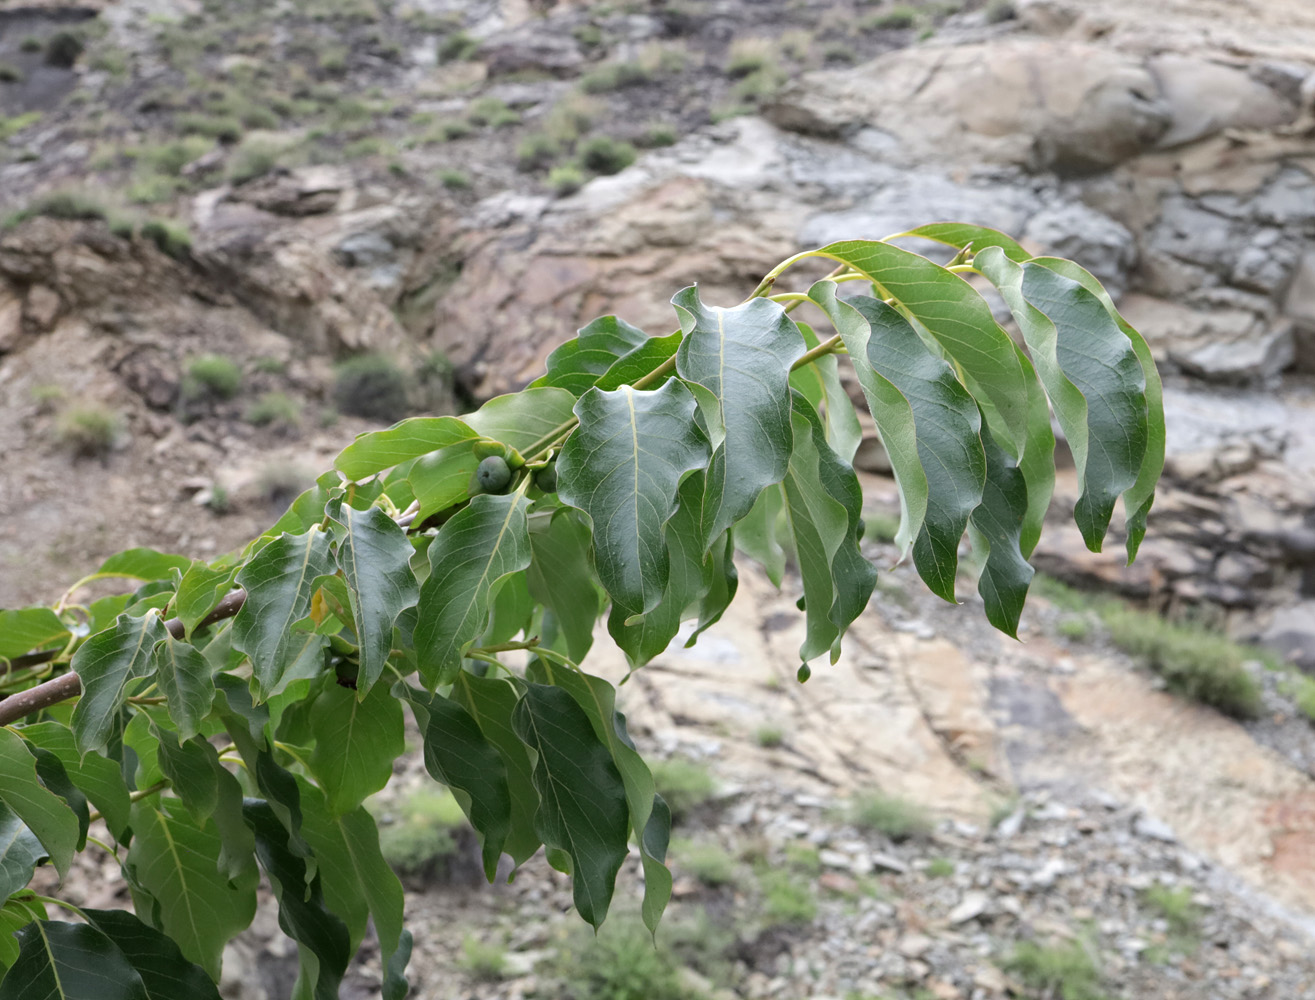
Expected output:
(768, 737)
(566, 179)
(454, 180)
(749, 55)
(1073, 627)
(1177, 909)
(940, 868)
(537, 151)
(483, 960)
(684, 784)
(456, 47)
(89, 431)
(706, 861)
(170, 238)
(660, 135)
(1301, 690)
(491, 112)
(254, 157)
(274, 409)
(1064, 971)
(612, 76)
(9, 73)
(223, 128)
(212, 376)
(602, 154)
(619, 963)
(786, 898)
(16, 123)
(999, 11)
(71, 204)
(803, 858)
(63, 49)
(895, 18)
(370, 386)
(420, 835)
(890, 815)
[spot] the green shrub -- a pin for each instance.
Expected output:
(1196, 662)
(483, 960)
(150, 189)
(254, 157)
(1064, 971)
(332, 61)
(74, 205)
(749, 55)
(274, 409)
(370, 386)
(10, 73)
(613, 76)
(12, 125)
(684, 784)
(89, 431)
(786, 899)
(707, 862)
(619, 963)
(1176, 907)
(1073, 627)
(659, 135)
(447, 131)
(219, 502)
(63, 49)
(109, 60)
(537, 151)
(422, 833)
(724, 112)
(224, 128)
(456, 47)
(940, 868)
(1301, 690)
(171, 238)
(212, 376)
(566, 179)
(895, 817)
(571, 118)
(31, 44)
(47, 395)
(270, 366)
(761, 85)
(896, 18)
(604, 155)
(880, 526)
(491, 111)
(768, 737)
(588, 35)
(171, 157)
(454, 180)
(803, 858)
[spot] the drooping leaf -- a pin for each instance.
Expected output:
(48, 817)
(29, 629)
(819, 382)
(1038, 462)
(356, 742)
(322, 938)
(60, 961)
(200, 591)
(743, 357)
(184, 678)
(458, 754)
(998, 526)
(1137, 500)
(189, 766)
(20, 852)
(723, 581)
(279, 581)
(375, 451)
(396, 986)
(374, 556)
(1090, 372)
(143, 564)
(100, 778)
(511, 611)
(107, 663)
(758, 535)
(622, 467)
(173, 858)
(165, 973)
(582, 810)
(478, 547)
(957, 317)
(561, 578)
(51, 772)
(579, 363)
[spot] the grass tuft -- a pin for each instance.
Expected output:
(895, 817)
(1062, 971)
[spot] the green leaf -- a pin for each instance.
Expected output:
(743, 357)
(375, 558)
(998, 528)
(143, 564)
(458, 754)
(957, 317)
(173, 858)
(357, 881)
(14, 916)
(279, 581)
(185, 679)
(958, 235)
(1038, 461)
(190, 767)
(824, 505)
(322, 937)
(561, 577)
(644, 359)
(597, 698)
(356, 742)
(582, 810)
(28, 629)
(491, 703)
(51, 772)
(622, 467)
(107, 663)
(758, 535)
(395, 985)
(20, 852)
(59, 961)
(1092, 375)
(474, 550)
(99, 778)
(164, 972)
(45, 813)
(307, 510)
(378, 450)
(512, 611)
(1137, 500)
(578, 364)
(724, 581)
(819, 382)
(200, 591)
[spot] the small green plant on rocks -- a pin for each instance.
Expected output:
(891, 815)
(685, 784)
(602, 154)
(566, 179)
(370, 386)
(212, 376)
(1065, 971)
(275, 409)
(483, 960)
(708, 862)
(89, 431)
(940, 868)
(419, 834)
(787, 899)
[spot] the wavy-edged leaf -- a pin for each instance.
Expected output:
(99, 778)
(998, 528)
(14, 916)
(977, 238)
(490, 702)
(20, 852)
(598, 700)
(743, 357)
(583, 811)
(173, 858)
(47, 815)
(724, 582)
(322, 937)
(60, 961)
(578, 364)
(143, 564)
(375, 451)
(1092, 375)
(395, 985)
(1038, 462)
(375, 558)
(106, 664)
(512, 610)
(643, 360)
(825, 506)
(356, 742)
(201, 590)
(458, 754)
(758, 535)
(51, 772)
(164, 972)
(27, 629)
(280, 581)
(561, 577)
(957, 317)
(1139, 497)
(474, 550)
(189, 765)
(185, 679)
(622, 467)
(819, 382)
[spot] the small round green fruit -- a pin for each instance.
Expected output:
(493, 474)
(546, 478)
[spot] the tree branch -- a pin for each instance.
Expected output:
(67, 686)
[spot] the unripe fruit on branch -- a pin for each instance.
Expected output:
(493, 474)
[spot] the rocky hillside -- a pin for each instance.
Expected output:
(237, 234)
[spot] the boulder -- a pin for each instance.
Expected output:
(41, 308)
(1204, 98)
(1267, 351)
(531, 50)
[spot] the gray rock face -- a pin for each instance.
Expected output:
(531, 50)
(1257, 358)
(1203, 98)
(1097, 242)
